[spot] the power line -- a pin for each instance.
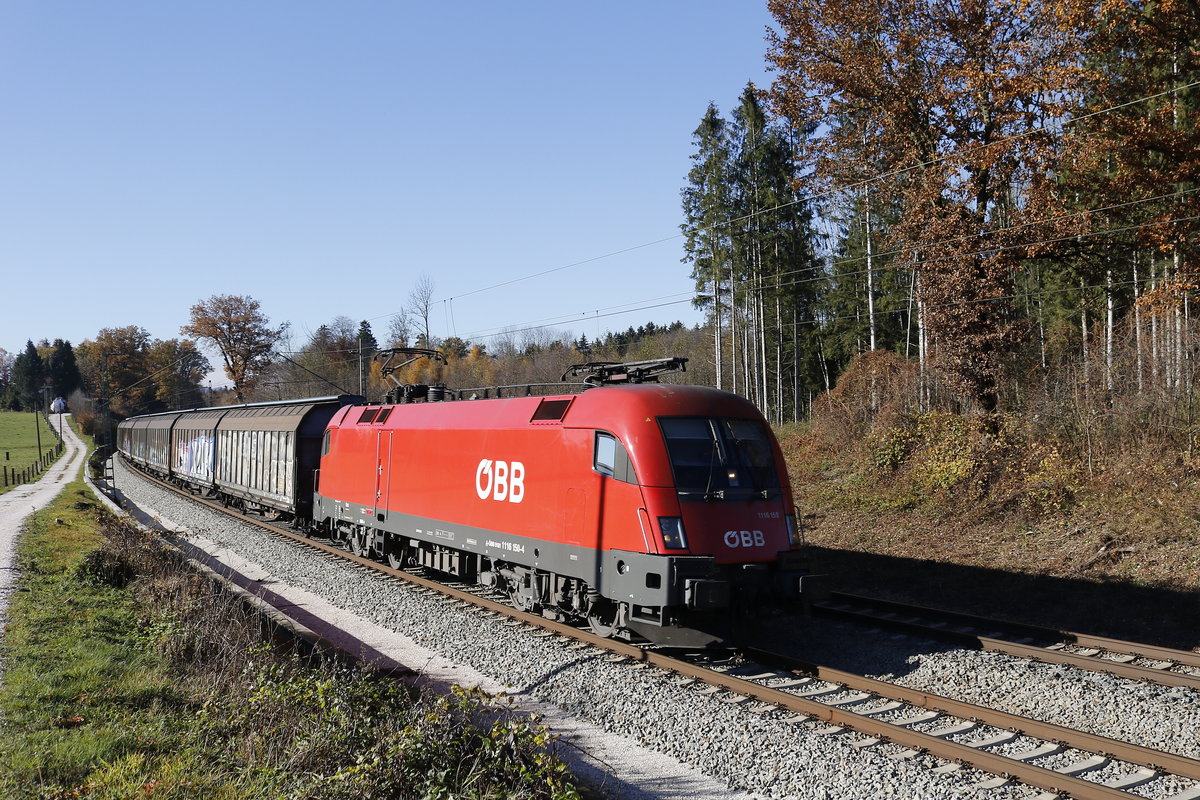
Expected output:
(579, 316)
(1059, 125)
(156, 372)
(653, 303)
(999, 248)
(533, 325)
(836, 262)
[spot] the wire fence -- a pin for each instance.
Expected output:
(16, 475)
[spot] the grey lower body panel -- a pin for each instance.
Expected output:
(618, 575)
(648, 580)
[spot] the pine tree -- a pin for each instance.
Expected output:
(366, 339)
(706, 207)
(750, 241)
(1143, 146)
(28, 376)
(62, 369)
(777, 275)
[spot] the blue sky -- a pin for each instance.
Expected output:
(319, 157)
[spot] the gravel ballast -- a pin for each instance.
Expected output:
(769, 755)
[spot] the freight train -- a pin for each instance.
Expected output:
(646, 509)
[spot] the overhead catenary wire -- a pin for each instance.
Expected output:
(532, 325)
(687, 297)
(152, 375)
(1057, 125)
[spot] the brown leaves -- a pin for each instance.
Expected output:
(1169, 295)
(240, 331)
(71, 721)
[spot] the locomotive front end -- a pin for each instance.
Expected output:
(722, 544)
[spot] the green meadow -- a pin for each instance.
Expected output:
(19, 440)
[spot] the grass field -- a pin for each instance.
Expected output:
(129, 677)
(18, 440)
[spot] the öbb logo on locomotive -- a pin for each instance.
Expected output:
(745, 539)
(505, 480)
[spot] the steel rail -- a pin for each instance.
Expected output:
(1190, 658)
(887, 611)
(1029, 774)
(1182, 766)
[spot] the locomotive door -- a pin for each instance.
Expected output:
(383, 463)
(581, 514)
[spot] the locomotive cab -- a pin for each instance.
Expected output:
(721, 540)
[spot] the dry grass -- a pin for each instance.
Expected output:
(1018, 521)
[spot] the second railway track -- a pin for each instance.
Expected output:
(912, 725)
(1142, 662)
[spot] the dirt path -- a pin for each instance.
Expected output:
(18, 504)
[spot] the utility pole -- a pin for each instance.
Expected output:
(104, 390)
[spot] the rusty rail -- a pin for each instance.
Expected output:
(935, 622)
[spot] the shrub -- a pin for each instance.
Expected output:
(314, 726)
(87, 422)
(892, 446)
(875, 385)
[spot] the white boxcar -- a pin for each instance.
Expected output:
(266, 453)
(193, 445)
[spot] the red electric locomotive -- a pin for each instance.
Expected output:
(654, 509)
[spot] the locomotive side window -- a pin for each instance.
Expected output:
(720, 459)
(606, 454)
(610, 458)
(325, 444)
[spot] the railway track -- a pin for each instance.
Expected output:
(907, 723)
(1141, 662)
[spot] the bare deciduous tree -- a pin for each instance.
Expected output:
(399, 330)
(420, 305)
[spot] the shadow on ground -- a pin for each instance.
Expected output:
(1151, 615)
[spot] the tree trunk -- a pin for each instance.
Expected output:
(1108, 331)
(1154, 349)
(1137, 323)
(922, 356)
(870, 275)
(1083, 334)
(717, 316)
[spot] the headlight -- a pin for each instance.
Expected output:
(672, 533)
(794, 537)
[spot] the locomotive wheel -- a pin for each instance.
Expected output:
(519, 599)
(602, 618)
(394, 559)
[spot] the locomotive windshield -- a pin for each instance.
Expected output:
(720, 459)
